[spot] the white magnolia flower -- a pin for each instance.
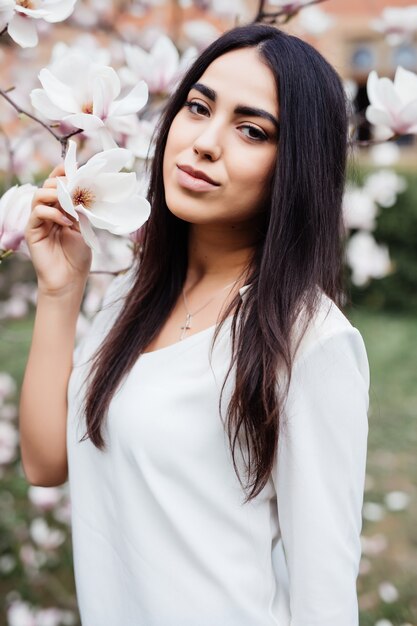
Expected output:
(366, 258)
(45, 537)
(398, 24)
(373, 512)
(7, 386)
(289, 6)
(384, 186)
(78, 91)
(20, 614)
(9, 439)
(397, 500)
(20, 16)
(359, 209)
(372, 546)
(387, 592)
(98, 194)
(314, 21)
(393, 104)
(385, 154)
(14, 214)
(161, 67)
(45, 498)
(200, 33)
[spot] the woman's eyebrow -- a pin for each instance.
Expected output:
(240, 109)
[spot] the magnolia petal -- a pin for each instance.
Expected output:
(405, 83)
(110, 160)
(88, 234)
(372, 89)
(377, 116)
(23, 31)
(389, 96)
(70, 160)
(101, 98)
(85, 121)
(120, 219)
(115, 187)
(43, 104)
(107, 141)
(408, 116)
(133, 102)
(58, 92)
(65, 198)
(59, 11)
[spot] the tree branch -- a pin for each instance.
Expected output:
(63, 139)
(281, 17)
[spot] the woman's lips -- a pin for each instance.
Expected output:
(190, 182)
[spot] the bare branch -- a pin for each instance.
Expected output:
(280, 17)
(63, 139)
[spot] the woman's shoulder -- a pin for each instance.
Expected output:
(328, 330)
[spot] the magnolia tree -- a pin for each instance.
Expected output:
(96, 106)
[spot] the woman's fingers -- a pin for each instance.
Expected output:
(44, 212)
(44, 196)
(59, 170)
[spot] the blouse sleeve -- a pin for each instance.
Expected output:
(319, 477)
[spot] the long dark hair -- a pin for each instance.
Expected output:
(299, 254)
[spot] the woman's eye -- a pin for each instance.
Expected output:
(257, 135)
(198, 107)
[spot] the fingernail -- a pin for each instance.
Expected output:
(66, 220)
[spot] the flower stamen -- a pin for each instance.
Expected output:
(26, 4)
(87, 108)
(83, 196)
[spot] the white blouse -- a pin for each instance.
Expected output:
(160, 534)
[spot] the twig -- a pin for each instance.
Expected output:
(63, 139)
(365, 143)
(273, 17)
(9, 174)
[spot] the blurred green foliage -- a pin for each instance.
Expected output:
(396, 228)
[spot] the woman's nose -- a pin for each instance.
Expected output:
(207, 144)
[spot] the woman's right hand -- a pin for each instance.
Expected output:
(59, 254)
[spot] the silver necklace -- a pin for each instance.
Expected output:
(187, 324)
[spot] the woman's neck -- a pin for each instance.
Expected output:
(218, 254)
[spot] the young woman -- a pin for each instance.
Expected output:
(213, 423)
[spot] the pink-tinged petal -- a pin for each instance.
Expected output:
(405, 83)
(123, 218)
(23, 31)
(372, 89)
(36, 14)
(115, 187)
(408, 116)
(389, 97)
(59, 11)
(101, 100)
(11, 240)
(71, 160)
(133, 102)
(65, 199)
(42, 103)
(58, 92)
(85, 121)
(111, 160)
(378, 117)
(87, 232)
(107, 141)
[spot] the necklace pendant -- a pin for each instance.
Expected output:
(186, 326)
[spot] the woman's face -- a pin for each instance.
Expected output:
(222, 135)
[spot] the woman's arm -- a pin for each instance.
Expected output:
(43, 401)
(319, 478)
(62, 260)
